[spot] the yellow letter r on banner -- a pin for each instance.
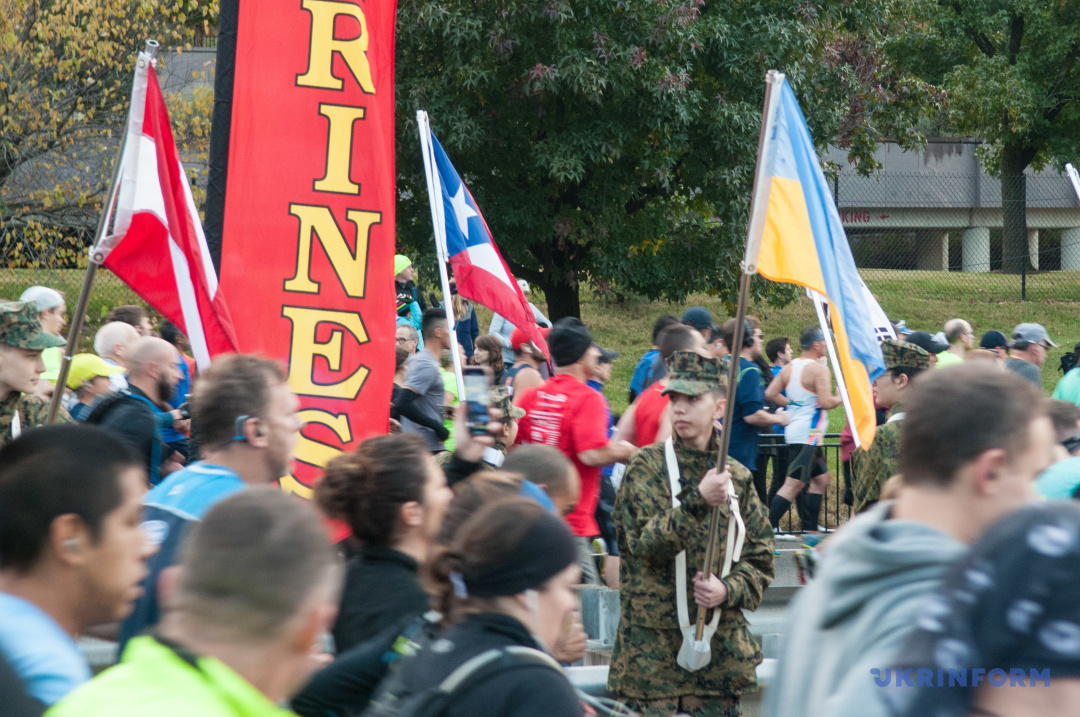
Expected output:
(324, 45)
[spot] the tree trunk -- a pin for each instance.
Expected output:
(1014, 250)
(562, 296)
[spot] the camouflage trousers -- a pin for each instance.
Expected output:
(725, 706)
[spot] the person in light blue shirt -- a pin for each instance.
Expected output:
(71, 550)
(246, 421)
(643, 376)
(1062, 479)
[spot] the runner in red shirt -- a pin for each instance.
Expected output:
(565, 413)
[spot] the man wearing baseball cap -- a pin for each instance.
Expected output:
(89, 377)
(1030, 342)
(997, 342)
(872, 466)
(525, 373)
(929, 343)
(21, 342)
(565, 413)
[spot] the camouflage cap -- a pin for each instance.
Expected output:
(502, 400)
(19, 326)
(899, 354)
(692, 374)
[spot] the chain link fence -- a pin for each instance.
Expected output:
(925, 234)
(109, 292)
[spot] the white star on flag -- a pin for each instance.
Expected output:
(462, 210)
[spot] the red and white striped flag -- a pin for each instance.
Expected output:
(158, 247)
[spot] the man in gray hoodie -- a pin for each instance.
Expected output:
(973, 441)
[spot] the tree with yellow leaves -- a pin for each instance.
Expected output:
(65, 83)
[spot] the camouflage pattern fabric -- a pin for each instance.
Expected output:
(871, 467)
(651, 533)
(503, 399)
(692, 374)
(20, 327)
(901, 354)
(695, 706)
(443, 457)
(32, 412)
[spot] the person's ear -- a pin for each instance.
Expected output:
(412, 514)
(168, 585)
(315, 620)
(986, 470)
(721, 404)
(69, 539)
(255, 434)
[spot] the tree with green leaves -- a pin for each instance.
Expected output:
(614, 142)
(1009, 68)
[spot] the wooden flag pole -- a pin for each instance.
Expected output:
(93, 263)
(758, 206)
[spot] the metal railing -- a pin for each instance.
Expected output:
(834, 512)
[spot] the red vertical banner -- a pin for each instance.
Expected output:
(308, 235)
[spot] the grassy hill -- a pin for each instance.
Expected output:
(626, 328)
(924, 299)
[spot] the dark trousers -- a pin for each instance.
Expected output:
(773, 448)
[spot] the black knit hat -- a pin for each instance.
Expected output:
(568, 341)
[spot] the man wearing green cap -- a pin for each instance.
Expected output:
(872, 466)
(21, 342)
(659, 532)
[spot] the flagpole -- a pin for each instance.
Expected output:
(93, 262)
(434, 186)
(758, 206)
(841, 385)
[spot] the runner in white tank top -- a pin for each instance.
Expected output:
(807, 420)
(805, 432)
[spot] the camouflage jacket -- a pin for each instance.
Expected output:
(32, 412)
(651, 533)
(871, 467)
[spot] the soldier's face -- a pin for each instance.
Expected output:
(888, 389)
(692, 417)
(19, 369)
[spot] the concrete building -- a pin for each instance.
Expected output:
(943, 195)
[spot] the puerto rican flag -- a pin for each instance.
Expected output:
(479, 270)
(157, 246)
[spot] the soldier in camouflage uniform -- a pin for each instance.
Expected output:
(21, 342)
(644, 672)
(872, 466)
(502, 400)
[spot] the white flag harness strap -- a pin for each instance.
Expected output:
(696, 654)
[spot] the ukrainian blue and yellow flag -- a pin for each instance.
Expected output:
(802, 241)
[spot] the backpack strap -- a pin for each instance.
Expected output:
(104, 406)
(495, 660)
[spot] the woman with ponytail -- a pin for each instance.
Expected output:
(506, 586)
(393, 496)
